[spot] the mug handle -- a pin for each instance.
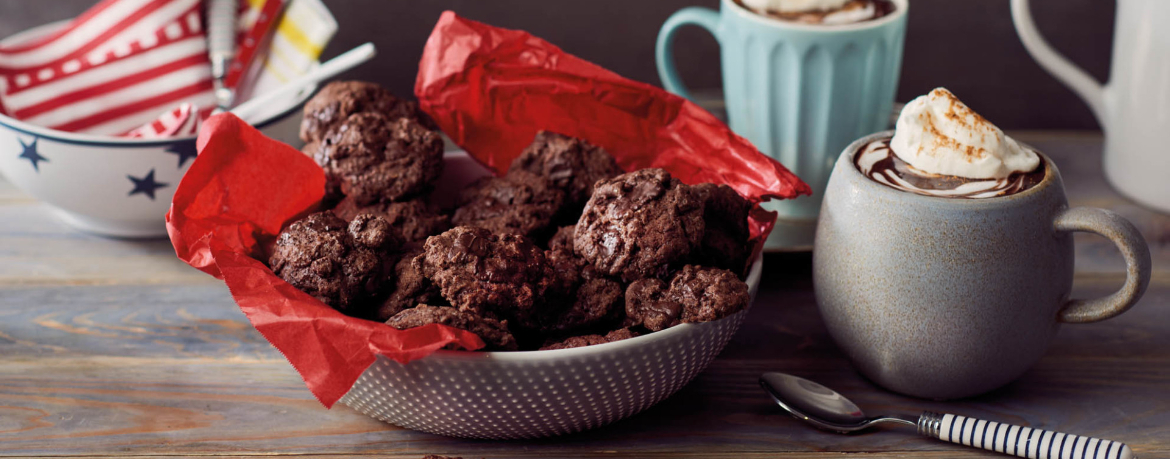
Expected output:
(1133, 248)
(664, 49)
(1059, 66)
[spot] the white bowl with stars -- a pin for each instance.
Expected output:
(533, 394)
(106, 185)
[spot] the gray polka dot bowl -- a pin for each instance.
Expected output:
(512, 395)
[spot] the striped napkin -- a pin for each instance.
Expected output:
(136, 68)
(304, 30)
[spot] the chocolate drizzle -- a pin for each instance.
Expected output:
(878, 162)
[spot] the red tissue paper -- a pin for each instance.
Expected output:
(244, 186)
(491, 90)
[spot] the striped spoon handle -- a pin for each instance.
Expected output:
(1018, 441)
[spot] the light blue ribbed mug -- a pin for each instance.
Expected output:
(799, 92)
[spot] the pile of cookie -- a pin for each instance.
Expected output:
(564, 250)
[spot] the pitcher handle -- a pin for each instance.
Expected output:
(1133, 248)
(1072, 76)
(664, 49)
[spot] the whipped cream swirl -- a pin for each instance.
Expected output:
(938, 134)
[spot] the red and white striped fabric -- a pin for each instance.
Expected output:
(135, 68)
(184, 120)
(113, 69)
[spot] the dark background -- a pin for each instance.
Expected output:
(968, 46)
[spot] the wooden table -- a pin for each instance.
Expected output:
(115, 348)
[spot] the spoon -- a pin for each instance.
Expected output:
(221, 46)
(824, 408)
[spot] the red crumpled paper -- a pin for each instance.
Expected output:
(244, 186)
(490, 89)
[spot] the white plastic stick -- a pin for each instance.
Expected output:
(329, 69)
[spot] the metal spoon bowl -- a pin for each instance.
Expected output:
(819, 405)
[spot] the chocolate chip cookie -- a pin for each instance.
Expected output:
(410, 288)
(479, 271)
(579, 297)
(413, 220)
(572, 165)
(590, 340)
(563, 238)
(708, 294)
(494, 333)
(649, 305)
(597, 302)
(725, 239)
(340, 99)
(695, 294)
(640, 224)
(332, 184)
(342, 264)
(519, 203)
(376, 159)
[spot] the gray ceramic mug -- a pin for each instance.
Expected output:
(947, 298)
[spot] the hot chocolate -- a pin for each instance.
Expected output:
(943, 148)
(825, 12)
(878, 162)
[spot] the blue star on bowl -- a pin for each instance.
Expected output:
(184, 150)
(29, 152)
(145, 185)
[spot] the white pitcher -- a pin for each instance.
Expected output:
(1133, 107)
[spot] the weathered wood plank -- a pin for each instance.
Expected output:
(171, 321)
(175, 370)
(155, 406)
(36, 248)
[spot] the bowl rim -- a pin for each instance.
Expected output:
(112, 141)
(753, 281)
(95, 140)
